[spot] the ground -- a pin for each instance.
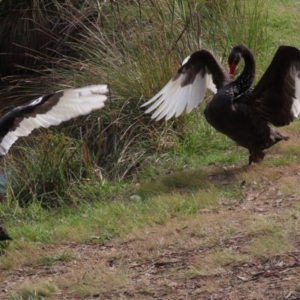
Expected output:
(243, 246)
(246, 248)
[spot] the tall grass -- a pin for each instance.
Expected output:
(46, 170)
(136, 47)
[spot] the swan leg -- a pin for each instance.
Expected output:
(256, 156)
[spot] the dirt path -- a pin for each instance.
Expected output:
(248, 249)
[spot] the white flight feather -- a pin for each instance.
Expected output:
(174, 98)
(181, 106)
(167, 103)
(185, 60)
(73, 103)
(162, 91)
(210, 84)
(182, 94)
(167, 86)
(295, 110)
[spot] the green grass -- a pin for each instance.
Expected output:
(37, 290)
(58, 193)
(94, 160)
(102, 220)
(139, 149)
(283, 23)
(136, 48)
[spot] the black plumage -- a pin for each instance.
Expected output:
(237, 110)
(48, 110)
(3, 234)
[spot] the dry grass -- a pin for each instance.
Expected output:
(192, 248)
(55, 258)
(288, 148)
(214, 263)
(270, 245)
(20, 252)
(67, 232)
(37, 289)
(289, 185)
(259, 175)
(261, 225)
(89, 281)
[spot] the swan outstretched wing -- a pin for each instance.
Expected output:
(277, 94)
(49, 110)
(186, 90)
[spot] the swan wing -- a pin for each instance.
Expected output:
(186, 90)
(49, 110)
(277, 94)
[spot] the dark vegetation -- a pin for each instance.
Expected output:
(135, 47)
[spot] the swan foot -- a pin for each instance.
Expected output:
(276, 137)
(256, 156)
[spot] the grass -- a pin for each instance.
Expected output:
(50, 260)
(68, 199)
(123, 140)
(103, 280)
(37, 290)
(271, 245)
(213, 263)
(185, 180)
(116, 217)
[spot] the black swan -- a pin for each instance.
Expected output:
(45, 111)
(48, 110)
(241, 113)
(3, 234)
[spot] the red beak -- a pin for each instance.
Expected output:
(232, 68)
